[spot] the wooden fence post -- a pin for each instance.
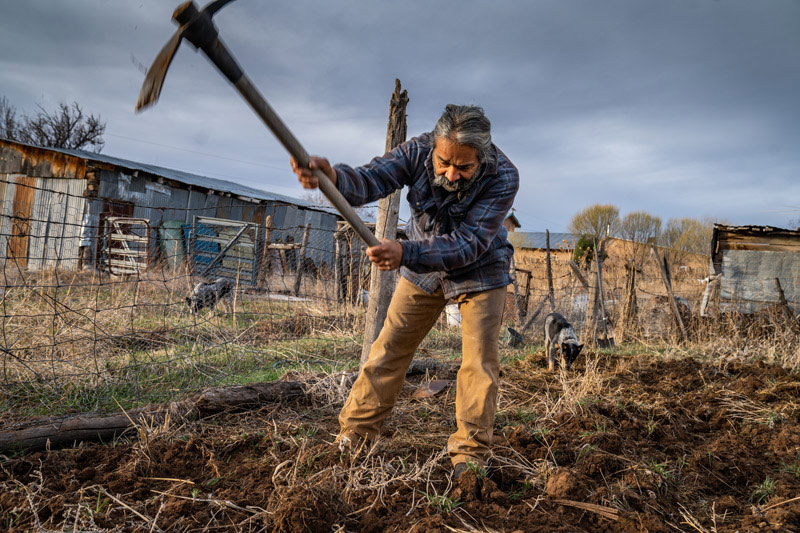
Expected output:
(601, 297)
(788, 313)
(381, 284)
(550, 291)
(668, 285)
(301, 260)
(517, 302)
(337, 267)
(576, 269)
(265, 268)
(630, 309)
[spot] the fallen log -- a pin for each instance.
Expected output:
(70, 430)
(87, 427)
(246, 396)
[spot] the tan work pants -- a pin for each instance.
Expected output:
(412, 313)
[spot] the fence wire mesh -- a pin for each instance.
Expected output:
(117, 309)
(108, 311)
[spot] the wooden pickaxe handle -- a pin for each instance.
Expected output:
(202, 33)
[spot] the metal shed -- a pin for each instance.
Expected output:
(746, 261)
(54, 200)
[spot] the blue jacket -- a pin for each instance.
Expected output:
(456, 239)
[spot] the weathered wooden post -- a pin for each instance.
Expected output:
(577, 270)
(597, 302)
(550, 291)
(630, 310)
(787, 311)
(517, 302)
(606, 343)
(381, 284)
(337, 267)
(265, 268)
(662, 268)
(301, 260)
(526, 297)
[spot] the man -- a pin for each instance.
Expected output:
(461, 187)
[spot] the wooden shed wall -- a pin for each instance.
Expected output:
(748, 259)
(748, 279)
(55, 224)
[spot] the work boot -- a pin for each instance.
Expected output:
(458, 471)
(350, 443)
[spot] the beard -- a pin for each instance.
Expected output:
(440, 180)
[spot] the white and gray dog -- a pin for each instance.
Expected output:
(210, 294)
(558, 334)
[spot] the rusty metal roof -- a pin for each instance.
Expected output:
(538, 240)
(187, 178)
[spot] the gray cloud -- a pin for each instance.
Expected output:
(683, 108)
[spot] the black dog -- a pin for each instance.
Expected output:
(558, 333)
(209, 294)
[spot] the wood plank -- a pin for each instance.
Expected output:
(668, 285)
(759, 247)
(20, 222)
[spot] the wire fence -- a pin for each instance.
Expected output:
(119, 309)
(108, 310)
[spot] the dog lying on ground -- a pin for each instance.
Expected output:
(558, 334)
(210, 294)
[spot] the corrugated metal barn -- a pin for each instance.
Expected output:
(746, 261)
(54, 200)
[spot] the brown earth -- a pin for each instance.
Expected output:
(624, 443)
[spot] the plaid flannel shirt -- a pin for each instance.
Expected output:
(456, 239)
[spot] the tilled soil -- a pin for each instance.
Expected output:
(623, 443)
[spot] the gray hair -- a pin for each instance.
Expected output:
(466, 124)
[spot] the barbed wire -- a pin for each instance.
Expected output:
(90, 308)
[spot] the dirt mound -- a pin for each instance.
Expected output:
(305, 508)
(625, 443)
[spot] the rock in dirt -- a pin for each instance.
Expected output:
(567, 484)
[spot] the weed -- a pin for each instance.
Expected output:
(540, 433)
(793, 467)
(306, 432)
(480, 471)
(762, 492)
(587, 450)
(650, 426)
(527, 417)
(442, 503)
(660, 469)
(214, 480)
(520, 492)
(101, 504)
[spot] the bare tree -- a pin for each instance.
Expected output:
(596, 221)
(8, 120)
(640, 227)
(67, 127)
(687, 235)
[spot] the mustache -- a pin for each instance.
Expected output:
(440, 180)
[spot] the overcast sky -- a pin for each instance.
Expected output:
(677, 107)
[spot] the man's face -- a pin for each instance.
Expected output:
(453, 162)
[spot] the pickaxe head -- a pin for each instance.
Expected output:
(197, 27)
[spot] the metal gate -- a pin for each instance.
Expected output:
(220, 247)
(126, 244)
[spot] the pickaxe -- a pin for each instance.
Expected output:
(197, 27)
